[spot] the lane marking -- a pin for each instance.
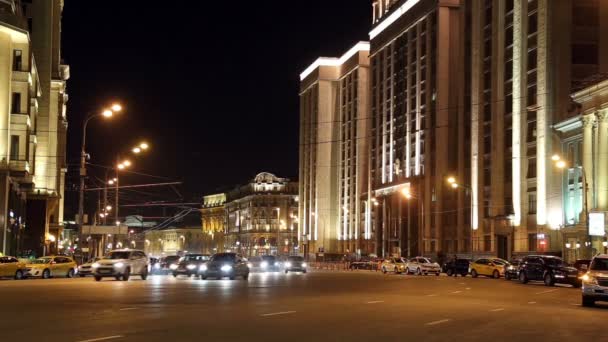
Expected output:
(103, 338)
(432, 295)
(438, 322)
(468, 288)
(531, 302)
(126, 309)
(278, 313)
(375, 302)
(497, 310)
(575, 304)
(462, 283)
(455, 292)
(548, 291)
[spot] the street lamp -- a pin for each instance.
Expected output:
(453, 182)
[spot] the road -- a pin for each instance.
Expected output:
(318, 306)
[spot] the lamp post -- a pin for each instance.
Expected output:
(453, 182)
(107, 113)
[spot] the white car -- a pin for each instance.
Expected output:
(87, 268)
(421, 265)
(595, 281)
(121, 264)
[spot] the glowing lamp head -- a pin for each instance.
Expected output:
(109, 207)
(127, 163)
(116, 107)
(107, 113)
(454, 185)
(121, 166)
(111, 182)
(451, 180)
(144, 146)
(561, 164)
(406, 193)
(555, 157)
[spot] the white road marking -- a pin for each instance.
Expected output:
(375, 302)
(462, 283)
(102, 338)
(531, 302)
(468, 288)
(278, 313)
(548, 291)
(432, 295)
(127, 309)
(438, 322)
(496, 310)
(575, 304)
(455, 292)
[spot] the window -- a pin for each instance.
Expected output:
(487, 243)
(17, 60)
(585, 54)
(532, 240)
(532, 203)
(14, 147)
(16, 103)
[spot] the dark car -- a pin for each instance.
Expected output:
(167, 264)
(295, 264)
(512, 269)
(549, 269)
(223, 265)
(189, 264)
(270, 264)
(456, 267)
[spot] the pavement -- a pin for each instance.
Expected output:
(318, 306)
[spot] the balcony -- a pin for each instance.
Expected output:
(21, 76)
(18, 120)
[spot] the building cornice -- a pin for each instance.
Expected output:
(332, 61)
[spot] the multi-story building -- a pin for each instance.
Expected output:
(33, 124)
(334, 154)
(261, 217)
(173, 241)
(213, 218)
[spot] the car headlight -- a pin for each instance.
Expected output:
(119, 265)
(191, 267)
(173, 266)
(264, 264)
(249, 265)
(304, 264)
(202, 267)
(287, 264)
(95, 265)
(587, 279)
(156, 266)
(226, 268)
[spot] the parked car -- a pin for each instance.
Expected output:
(421, 265)
(361, 265)
(51, 266)
(595, 281)
(87, 268)
(549, 269)
(396, 265)
(11, 267)
(189, 264)
(222, 265)
(512, 269)
(489, 267)
(295, 263)
(457, 267)
(121, 264)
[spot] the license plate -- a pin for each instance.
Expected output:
(104, 271)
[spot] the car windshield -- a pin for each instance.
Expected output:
(255, 259)
(42, 261)
(599, 264)
(224, 257)
(117, 255)
(268, 258)
(295, 258)
(556, 262)
(196, 257)
(171, 258)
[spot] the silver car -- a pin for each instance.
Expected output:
(421, 265)
(121, 264)
(595, 281)
(87, 268)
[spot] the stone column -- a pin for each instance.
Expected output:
(602, 174)
(588, 123)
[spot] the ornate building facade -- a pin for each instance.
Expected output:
(213, 217)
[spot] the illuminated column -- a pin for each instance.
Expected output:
(588, 122)
(602, 175)
(543, 114)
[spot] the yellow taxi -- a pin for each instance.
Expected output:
(51, 266)
(10, 267)
(489, 267)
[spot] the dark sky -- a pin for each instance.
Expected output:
(212, 85)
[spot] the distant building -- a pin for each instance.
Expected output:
(33, 126)
(173, 241)
(213, 218)
(262, 217)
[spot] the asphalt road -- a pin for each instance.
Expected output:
(318, 306)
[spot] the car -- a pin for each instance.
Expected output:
(421, 265)
(121, 264)
(457, 267)
(489, 267)
(396, 265)
(189, 264)
(51, 266)
(86, 268)
(512, 269)
(295, 263)
(549, 269)
(11, 267)
(223, 265)
(168, 264)
(270, 263)
(361, 265)
(595, 281)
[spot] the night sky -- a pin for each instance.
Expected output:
(211, 85)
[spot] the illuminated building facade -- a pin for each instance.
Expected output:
(262, 217)
(334, 155)
(213, 218)
(33, 125)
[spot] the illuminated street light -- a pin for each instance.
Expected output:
(406, 193)
(111, 182)
(560, 164)
(107, 113)
(454, 185)
(108, 207)
(451, 180)
(116, 107)
(126, 163)
(144, 146)
(136, 150)
(555, 157)
(568, 245)
(121, 166)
